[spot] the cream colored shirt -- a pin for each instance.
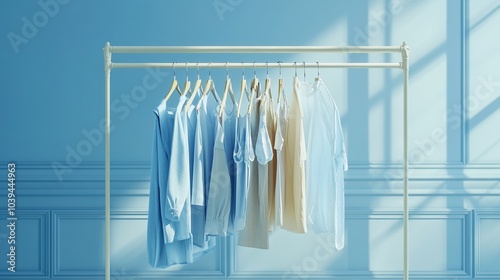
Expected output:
(294, 214)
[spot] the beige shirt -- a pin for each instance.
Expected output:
(272, 165)
(294, 214)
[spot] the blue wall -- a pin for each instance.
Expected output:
(52, 108)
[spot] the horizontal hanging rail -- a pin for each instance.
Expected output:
(256, 65)
(254, 49)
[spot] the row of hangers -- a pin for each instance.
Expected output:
(228, 89)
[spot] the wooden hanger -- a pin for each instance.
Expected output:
(280, 84)
(174, 86)
(228, 87)
(197, 86)
(187, 84)
(267, 88)
(243, 90)
(267, 84)
(209, 87)
(280, 88)
(253, 88)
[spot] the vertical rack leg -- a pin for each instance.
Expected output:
(107, 162)
(405, 55)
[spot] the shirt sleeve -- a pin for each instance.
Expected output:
(198, 194)
(339, 145)
(159, 226)
(155, 236)
(178, 186)
(249, 152)
(278, 138)
(340, 168)
(263, 147)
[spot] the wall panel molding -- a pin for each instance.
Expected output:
(57, 217)
(479, 216)
(465, 217)
(42, 234)
(98, 216)
(140, 172)
(132, 180)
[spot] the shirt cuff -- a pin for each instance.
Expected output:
(173, 215)
(215, 228)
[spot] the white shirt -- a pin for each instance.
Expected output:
(326, 160)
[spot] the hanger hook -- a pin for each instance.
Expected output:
(295, 66)
(227, 72)
(187, 73)
(254, 73)
(242, 70)
(209, 73)
(304, 63)
(267, 69)
(173, 67)
(318, 67)
(198, 66)
(279, 63)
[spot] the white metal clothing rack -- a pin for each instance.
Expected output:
(403, 65)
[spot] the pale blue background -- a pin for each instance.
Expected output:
(52, 96)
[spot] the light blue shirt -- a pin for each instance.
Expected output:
(229, 125)
(243, 157)
(206, 117)
(219, 198)
(169, 239)
(168, 242)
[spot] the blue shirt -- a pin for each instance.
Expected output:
(206, 117)
(243, 157)
(168, 242)
(169, 239)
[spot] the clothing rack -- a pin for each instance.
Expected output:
(108, 65)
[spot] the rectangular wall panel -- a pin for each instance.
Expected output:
(483, 82)
(78, 243)
(79, 235)
(487, 240)
(32, 244)
(439, 247)
(440, 243)
(129, 251)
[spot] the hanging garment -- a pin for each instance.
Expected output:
(178, 208)
(256, 231)
(294, 214)
(198, 187)
(270, 121)
(169, 240)
(229, 125)
(219, 198)
(326, 160)
(281, 126)
(189, 118)
(243, 157)
(202, 161)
